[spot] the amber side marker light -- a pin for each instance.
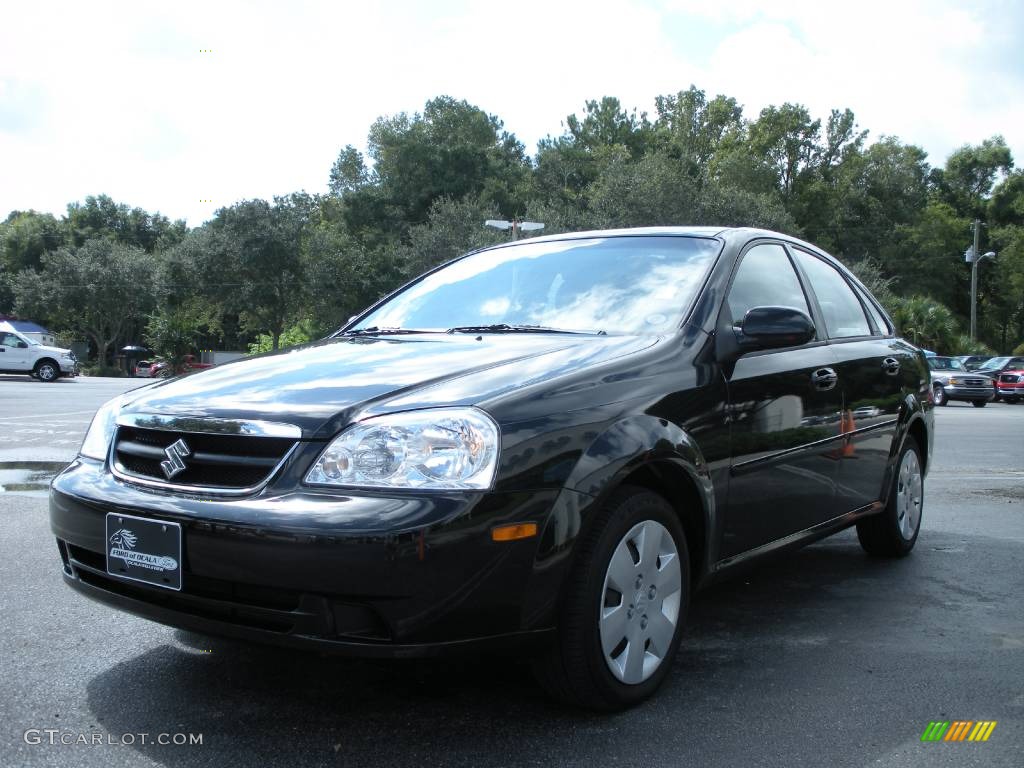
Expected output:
(513, 532)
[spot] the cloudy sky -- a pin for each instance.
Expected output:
(184, 107)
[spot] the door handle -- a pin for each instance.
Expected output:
(891, 366)
(824, 379)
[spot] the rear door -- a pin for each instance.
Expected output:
(872, 368)
(784, 411)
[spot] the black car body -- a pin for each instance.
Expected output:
(750, 439)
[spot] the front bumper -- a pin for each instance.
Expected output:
(367, 574)
(1010, 390)
(968, 393)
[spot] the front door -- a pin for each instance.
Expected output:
(13, 357)
(785, 409)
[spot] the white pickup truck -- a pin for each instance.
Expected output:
(20, 354)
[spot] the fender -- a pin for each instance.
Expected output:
(911, 413)
(624, 447)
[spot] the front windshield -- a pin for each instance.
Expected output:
(611, 284)
(995, 362)
(945, 364)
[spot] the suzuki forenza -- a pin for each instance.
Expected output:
(553, 443)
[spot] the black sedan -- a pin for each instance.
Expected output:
(549, 444)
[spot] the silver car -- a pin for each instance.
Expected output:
(951, 381)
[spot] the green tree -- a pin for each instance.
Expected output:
(692, 129)
(787, 138)
(349, 172)
(566, 165)
(24, 237)
(257, 248)
(98, 289)
(173, 332)
(971, 172)
(99, 216)
(927, 323)
(302, 332)
(453, 149)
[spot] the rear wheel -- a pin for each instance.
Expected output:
(623, 606)
(893, 532)
(939, 394)
(46, 370)
(979, 403)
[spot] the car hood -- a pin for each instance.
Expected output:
(54, 350)
(322, 386)
(944, 376)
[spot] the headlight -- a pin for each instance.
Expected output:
(435, 449)
(97, 439)
(954, 381)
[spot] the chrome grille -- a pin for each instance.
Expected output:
(1009, 378)
(976, 383)
(213, 462)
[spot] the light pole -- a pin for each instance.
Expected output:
(515, 225)
(975, 259)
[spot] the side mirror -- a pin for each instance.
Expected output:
(773, 328)
(22, 345)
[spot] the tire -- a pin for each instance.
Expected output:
(1010, 400)
(940, 395)
(979, 403)
(46, 371)
(893, 532)
(609, 565)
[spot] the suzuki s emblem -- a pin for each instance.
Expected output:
(175, 462)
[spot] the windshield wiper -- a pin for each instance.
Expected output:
(506, 328)
(373, 330)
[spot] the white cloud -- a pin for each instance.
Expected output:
(919, 69)
(117, 98)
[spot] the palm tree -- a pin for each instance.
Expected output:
(927, 323)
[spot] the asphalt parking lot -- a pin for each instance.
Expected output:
(823, 658)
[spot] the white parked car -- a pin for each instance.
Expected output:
(20, 354)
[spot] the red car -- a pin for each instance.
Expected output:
(189, 364)
(1010, 385)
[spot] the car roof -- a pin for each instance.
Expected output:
(722, 233)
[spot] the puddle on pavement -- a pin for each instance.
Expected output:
(28, 477)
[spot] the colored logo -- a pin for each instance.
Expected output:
(958, 730)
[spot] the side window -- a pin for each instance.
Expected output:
(844, 316)
(765, 278)
(8, 340)
(878, 317)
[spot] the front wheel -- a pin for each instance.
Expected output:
(46, 370)
(623, 606)
(893, 532)
(979, 403)
(940, 395)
